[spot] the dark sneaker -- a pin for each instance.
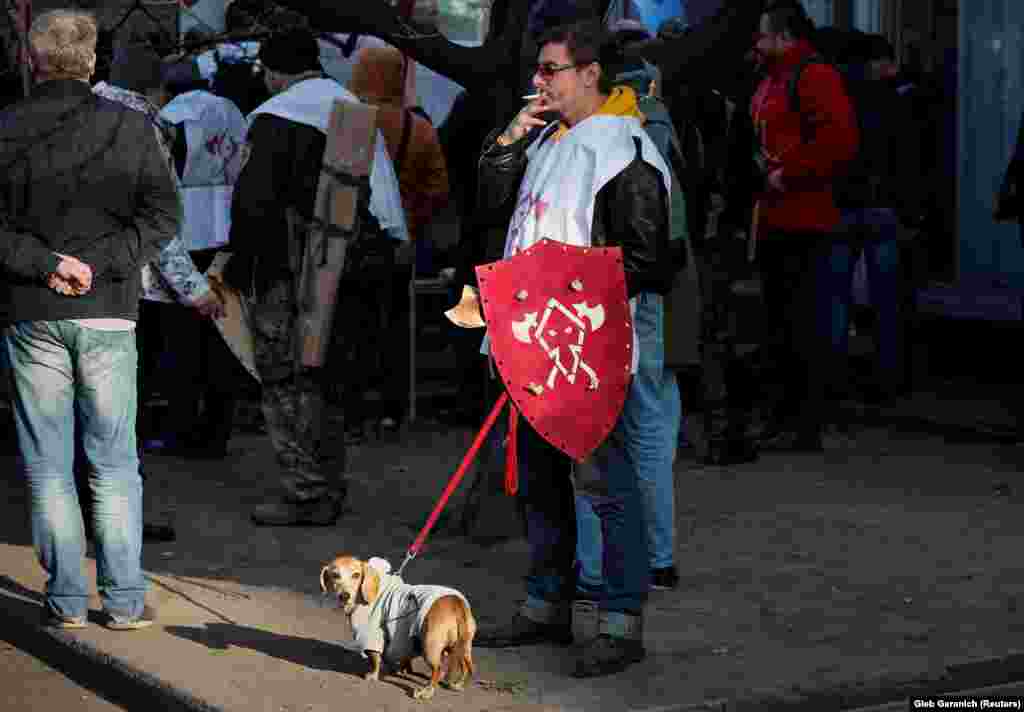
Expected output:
(607, 655)
(523, 631)
(147, 619)
(320, 512)
(55, 620)
(158, 531)
(202, 452)
(729, 452)
(666, 579)
(791, 441)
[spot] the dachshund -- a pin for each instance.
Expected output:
(396, 622)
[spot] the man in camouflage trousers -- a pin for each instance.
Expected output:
(276, 190)
(293, 402)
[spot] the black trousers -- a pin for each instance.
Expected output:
(205, 371)
(793, 273)
(363, 340)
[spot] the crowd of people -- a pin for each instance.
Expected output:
(139, 212)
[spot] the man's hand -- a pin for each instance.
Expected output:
(210, 305)
(72, 277)
(61, 286)
(525, 120)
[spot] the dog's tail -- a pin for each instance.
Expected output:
(462, 651)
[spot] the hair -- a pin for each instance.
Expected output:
(673, 28)
(64, 44)
(588, 41)
(878, 47)
(790, 17)
(241, 15)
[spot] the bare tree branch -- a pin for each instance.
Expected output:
(712, 51)
(475, 68)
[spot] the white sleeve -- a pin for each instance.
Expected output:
(385, 195)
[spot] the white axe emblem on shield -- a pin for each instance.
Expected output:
(529, 329)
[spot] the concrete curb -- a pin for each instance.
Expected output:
(108, 676)
(130, 687)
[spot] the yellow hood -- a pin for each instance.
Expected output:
(621, 102)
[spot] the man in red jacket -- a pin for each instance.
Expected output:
(804, 145)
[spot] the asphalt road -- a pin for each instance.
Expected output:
(29, 685)
(1008, 696)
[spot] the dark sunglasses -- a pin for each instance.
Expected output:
(550, 69)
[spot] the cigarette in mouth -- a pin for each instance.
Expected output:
(531, 97)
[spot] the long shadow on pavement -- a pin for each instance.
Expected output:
(307, 652)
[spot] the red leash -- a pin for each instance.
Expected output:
(511, 453)
(414, 550)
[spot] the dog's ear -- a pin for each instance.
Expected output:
(323, 578)
(369, 588)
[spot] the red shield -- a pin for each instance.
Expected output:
(561, 336)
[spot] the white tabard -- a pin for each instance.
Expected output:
(310, 102)
(557, 195)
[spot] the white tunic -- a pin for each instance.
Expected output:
(563, 177)
(215, 136)
(310, 102)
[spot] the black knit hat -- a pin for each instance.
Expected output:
(291, 52)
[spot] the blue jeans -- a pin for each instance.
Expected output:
(56, 369)
(877, 231)
(614, 496)
(651, 420)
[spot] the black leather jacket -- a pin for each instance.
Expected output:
(630, 211)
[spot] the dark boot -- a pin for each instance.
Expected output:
(585, 622)
(320, 512)
(721, 453)
(618, 645)
(523, 631)
(793, 441)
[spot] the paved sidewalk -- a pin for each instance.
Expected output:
(812, 582)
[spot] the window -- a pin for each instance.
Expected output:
(463, 20)
(867, 16)
(821, 11)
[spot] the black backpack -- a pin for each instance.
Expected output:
(686, 153)
(869, 179)
(238, 82)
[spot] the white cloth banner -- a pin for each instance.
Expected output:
(310, 102)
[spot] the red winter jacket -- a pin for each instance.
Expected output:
(830, 127)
